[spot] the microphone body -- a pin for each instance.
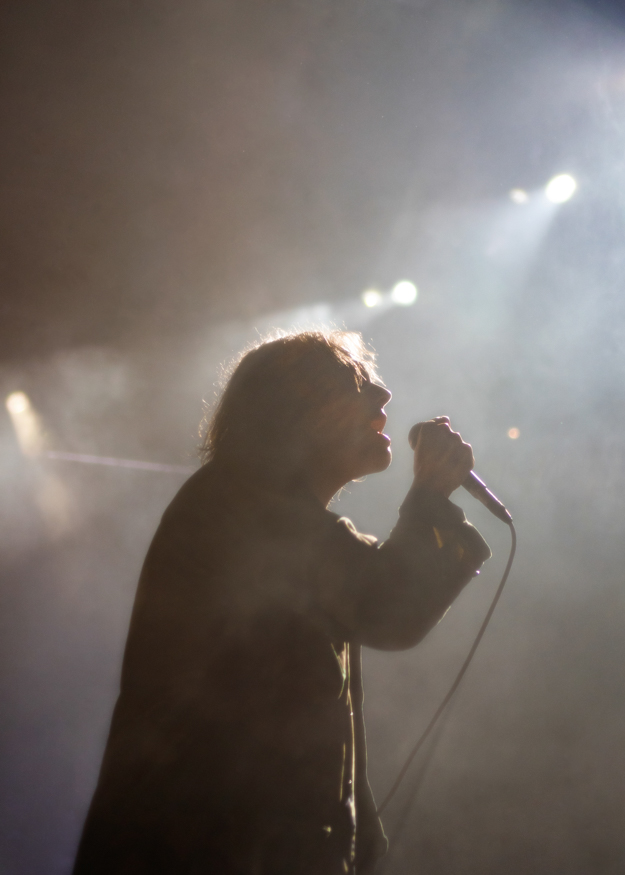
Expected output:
(479, 490)
(472, 484)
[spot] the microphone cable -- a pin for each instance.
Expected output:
(458, 679)
(420, 774)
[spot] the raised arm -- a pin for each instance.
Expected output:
(389, 595)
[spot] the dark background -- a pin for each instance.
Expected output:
(177, 177)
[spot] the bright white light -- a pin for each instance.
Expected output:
(519, 196)
(404, 293)
(560, 188)
(513, 433)
(371, 298)
(25, 422)
(17, 402)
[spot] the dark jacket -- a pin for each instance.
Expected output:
(237, 744)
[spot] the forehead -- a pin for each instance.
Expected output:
(364, 371)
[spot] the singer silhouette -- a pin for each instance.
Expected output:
(237, 744)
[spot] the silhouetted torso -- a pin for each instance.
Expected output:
(237, 743)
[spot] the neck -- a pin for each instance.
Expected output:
(318, 480)
(324, 487)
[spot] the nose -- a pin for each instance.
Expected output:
(382, 394)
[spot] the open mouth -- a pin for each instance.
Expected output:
(379, 423)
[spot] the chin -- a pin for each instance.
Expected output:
(388, 458)
(380, 462)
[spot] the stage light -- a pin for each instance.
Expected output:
(513, 433)
(51, 494)
(519, 196)
(17, 402)
(561, 188)
(404, 293)
(371, 298)
(25, 422)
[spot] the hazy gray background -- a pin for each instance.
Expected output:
(176, 176)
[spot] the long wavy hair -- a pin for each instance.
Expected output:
(268, 420)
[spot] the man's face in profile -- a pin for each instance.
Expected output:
(351, 430)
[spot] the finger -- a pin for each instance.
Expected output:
(464, 455)
(435, 433)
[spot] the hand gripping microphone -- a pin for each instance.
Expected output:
(472, 484)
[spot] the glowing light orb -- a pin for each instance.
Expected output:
(404, 293)
(25, 422)
(519, 195)
(371, 298)
(513, 433)
(561, 188)
(17, 402)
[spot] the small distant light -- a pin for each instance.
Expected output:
(404, 293)
(371, 298)
(17, 402)
(561, 188)
(513, 433)
(519, 195)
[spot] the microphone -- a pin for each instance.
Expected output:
(472, 484)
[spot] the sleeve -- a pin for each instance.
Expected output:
(388, 596)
